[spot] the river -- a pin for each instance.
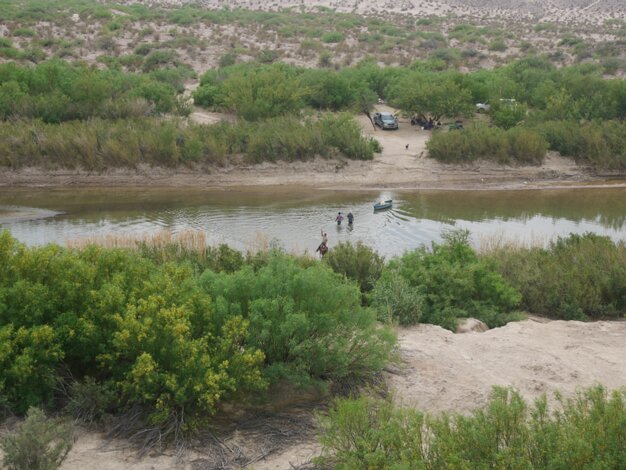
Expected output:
(293, 217)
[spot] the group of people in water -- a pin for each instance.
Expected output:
(322, 249)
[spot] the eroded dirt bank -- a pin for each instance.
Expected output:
(439, 371)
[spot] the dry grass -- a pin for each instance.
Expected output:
(187, 240)
(490, 243)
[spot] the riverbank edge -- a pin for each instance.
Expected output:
(328, 174)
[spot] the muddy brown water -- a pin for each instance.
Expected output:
(292, 217)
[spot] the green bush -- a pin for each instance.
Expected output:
(99, 144)
(145, 330)
(584, 432)
(518, 145)
(452, 282)
(142, 329)
(396, 300)
(307, 320)
(581, 276)
(357, 262)
(55, 91)
(600, 145)
(39, 443)
(333, 36)
(344, 134)
(90, 401)
(255, 93)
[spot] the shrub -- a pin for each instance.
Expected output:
(600, 145)
(254, 94)
(344, 133)
(395, 299)
(56, 91)
(99, 144)
(521, 146)
(357, 262)
(155, 336)
(38, 443)
(584, 432)
(267, 56)
(307, 320)
(91, 401)
(497, 45)
(454, 283)
(334, 36)
(228, 59)
(575, 277)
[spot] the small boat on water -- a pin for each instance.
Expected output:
(382, 205)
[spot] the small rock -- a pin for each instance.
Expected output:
(471, 324)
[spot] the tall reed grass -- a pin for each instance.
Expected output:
(513, 146)
(100, 144)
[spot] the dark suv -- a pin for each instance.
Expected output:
(385, 121)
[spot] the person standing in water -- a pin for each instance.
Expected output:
(350, 218)
(339, 218)
(323, 248)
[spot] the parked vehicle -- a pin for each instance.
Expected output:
(385, 121)
(485, 107)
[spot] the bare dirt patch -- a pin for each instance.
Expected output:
(443, 371)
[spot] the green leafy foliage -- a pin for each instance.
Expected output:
(100, 144)
(38, 443)
(136, 328)
(262, 92)
(581, 276)
(357, 262)
(449, 282)
(430, 93)
(55, 91)
(145, 330)
(308, 321)
(396, 300)
(518, 145)
(597, 144)
(583, 432)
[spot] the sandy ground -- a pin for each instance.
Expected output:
(403, 164)
(560, 11)
(438, 371)
(443, 371)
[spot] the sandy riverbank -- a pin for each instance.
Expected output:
(403, 164)
(438, 371)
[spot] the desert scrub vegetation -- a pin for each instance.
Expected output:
(98, 144)
(37, 443)
(357, 262)
(109, 25)
(170, 340)
(586, 431)
(253, 93)
(597, 144)
(577, 277)
(56, 91)
(520, 146)
(443, 284)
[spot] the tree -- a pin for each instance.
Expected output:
(431, 94)
(263, 92)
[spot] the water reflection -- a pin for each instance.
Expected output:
(293, 218)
